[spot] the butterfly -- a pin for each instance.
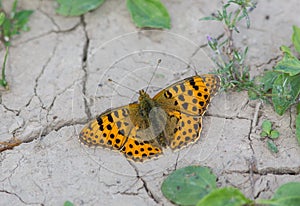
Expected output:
(172, 118)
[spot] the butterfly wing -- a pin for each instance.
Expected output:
(212, 83)
(117, 130)
(183, 129)
(185, 102)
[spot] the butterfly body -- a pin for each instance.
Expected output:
(172, 118)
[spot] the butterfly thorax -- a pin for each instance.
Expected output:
(153, 118)
(146, 104)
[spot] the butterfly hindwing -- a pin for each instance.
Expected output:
(183, 129)
(140, 150)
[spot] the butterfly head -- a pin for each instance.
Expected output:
(143, 95)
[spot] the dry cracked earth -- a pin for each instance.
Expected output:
(58, 74)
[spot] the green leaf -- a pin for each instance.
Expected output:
(290, 201)
(285, 91)
(252, 95)
(298, 128)
(2, 18)
(149, 13)
(296, 38)
(6, 28)
(288, 189)
(286, 50)
(21, 18)
(227, 196)
(209, 18)
(266, 126)
(287, 195)
(298, 108)
(289, 63)
(272, 146)
(14, 9)
(263, 134)
(3, 81)
(274, 134)
(267, 80)
(68, 203)
(188, 185)
(77, 7)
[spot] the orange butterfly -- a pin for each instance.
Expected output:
(172, 118)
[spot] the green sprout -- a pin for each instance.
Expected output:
(268, 132)
(68, 203)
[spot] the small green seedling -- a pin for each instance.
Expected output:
(267, 132)
(68, 203)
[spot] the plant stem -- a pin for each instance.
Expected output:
(236, 16)
(3, 80)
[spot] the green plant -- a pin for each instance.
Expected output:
(195, 185)
(11, 25)
(282, 83)
(268, 132)
(144, 13)
(280, 86)
(230, 60)
(14, 22)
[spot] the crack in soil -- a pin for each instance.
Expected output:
(59, 30)
(45, 131)
(12, 171)
(42, 72)
(207, 114)
(21, 200)
(265, 189)
(262, 172)
(145, 186)
(269, 61)
(84, 67)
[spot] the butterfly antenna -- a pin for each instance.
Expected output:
(158, 62)
(121, 85)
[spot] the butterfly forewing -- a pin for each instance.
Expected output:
(189, 96)
(109, 129)
(185, 102)
(212, 83)
(117, 129)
